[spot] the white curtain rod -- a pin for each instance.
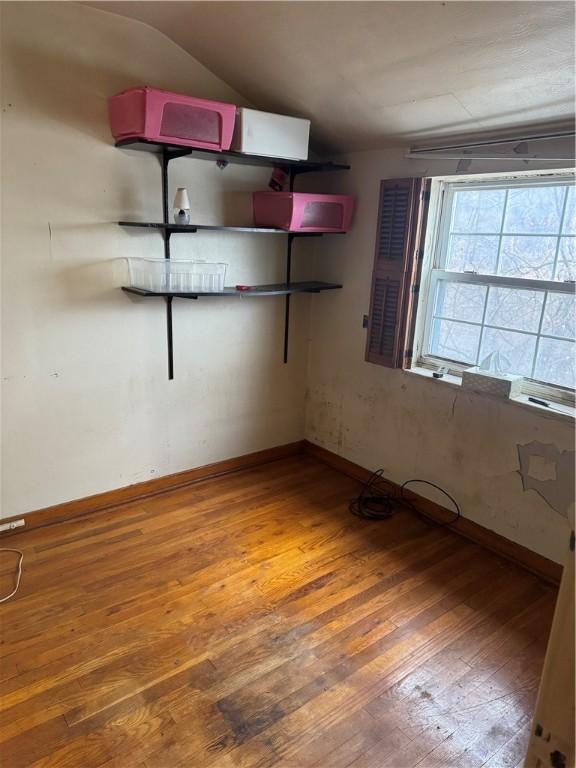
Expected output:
(492, 142)
(521, 158)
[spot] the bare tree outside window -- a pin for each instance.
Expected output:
(503, 278)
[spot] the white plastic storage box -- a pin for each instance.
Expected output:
(264, 133)
(502, 385)
(174, 276)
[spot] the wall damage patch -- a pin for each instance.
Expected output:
(548, 471)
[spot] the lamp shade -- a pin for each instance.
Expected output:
(181, 201)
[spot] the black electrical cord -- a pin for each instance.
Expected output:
(378, 501)
(374, 501)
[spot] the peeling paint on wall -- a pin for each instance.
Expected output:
(550, 472)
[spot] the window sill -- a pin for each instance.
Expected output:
(556, 411)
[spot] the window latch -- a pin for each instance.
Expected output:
(470, 272)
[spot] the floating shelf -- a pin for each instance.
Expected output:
(192, 228)
(167, 152)
(274, 289)
(175, 150)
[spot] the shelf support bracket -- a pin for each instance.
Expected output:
(164, 160)
(291, 179)
(287, 300)
(169, 337)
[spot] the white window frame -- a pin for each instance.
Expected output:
(439, 219)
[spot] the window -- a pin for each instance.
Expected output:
(501, 277)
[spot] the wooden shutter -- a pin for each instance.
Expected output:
(397, 264)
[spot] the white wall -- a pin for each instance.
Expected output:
(409, 426)
(87, 405)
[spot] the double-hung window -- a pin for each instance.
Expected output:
(499, 290)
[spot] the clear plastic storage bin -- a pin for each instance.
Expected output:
(174, 276)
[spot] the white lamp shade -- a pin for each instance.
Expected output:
(181, 201)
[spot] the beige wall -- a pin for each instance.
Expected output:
(409, 426)
(87, 405)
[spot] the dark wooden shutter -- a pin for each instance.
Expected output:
(397, 264)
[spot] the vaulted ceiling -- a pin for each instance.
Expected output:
(374, 73)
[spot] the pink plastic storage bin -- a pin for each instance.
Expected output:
(148, 113)
(300, 212)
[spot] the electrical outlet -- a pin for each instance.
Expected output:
(12, 525)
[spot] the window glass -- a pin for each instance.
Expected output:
(478, 210)
(514, 310)
(560, 315)
(555, 362)
(455, 341)
(460, 301)
(534, 211)
(531, 257)
(566, 266)
(497, 236)
(473, 253)
(515, 350)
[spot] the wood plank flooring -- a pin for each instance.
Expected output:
(250, 621)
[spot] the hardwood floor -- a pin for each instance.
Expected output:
(250, 621)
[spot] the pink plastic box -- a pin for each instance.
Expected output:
(148, 113)
(301, 212)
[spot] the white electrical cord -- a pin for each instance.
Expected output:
(19, 575)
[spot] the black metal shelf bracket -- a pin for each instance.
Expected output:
(164, 160)
(165, 155)
(291, 177)
(287, 300)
